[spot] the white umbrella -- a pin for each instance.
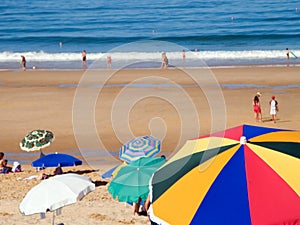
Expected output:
(56, 192)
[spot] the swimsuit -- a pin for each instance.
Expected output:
(256, 107)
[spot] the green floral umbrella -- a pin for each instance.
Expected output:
(36, 140)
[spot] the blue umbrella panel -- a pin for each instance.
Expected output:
(55, 160)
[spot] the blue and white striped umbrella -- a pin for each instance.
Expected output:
(143, 146)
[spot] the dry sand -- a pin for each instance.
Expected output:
(46, 100)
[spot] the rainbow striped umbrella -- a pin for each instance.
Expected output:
(244, 175)
(143, 146)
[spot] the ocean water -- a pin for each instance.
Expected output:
(135, 33)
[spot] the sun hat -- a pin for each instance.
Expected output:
(258, 93)
(273, 97)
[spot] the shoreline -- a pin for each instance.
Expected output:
(78, 67)
(150, 59)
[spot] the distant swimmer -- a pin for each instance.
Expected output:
(60, 44)
(23, 62)
(183, 55)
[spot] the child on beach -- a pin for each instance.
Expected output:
(273, 108)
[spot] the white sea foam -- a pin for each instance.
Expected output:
(205, 55)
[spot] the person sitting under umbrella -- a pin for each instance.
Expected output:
(58, 170)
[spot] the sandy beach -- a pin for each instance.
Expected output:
(92, 113)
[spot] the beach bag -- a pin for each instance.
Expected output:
(16, 167)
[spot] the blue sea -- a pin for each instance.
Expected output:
(135, 33)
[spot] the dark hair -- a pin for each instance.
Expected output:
(1, 154)
(256, 99)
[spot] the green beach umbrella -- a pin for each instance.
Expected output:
(132, 181)
(36, 140)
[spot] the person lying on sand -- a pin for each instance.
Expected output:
(58, 170)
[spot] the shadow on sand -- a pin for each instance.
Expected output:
(81, 172)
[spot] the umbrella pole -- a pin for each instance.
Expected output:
(41, 154)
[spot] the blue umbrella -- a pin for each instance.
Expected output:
(55, 160)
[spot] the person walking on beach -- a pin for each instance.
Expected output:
(165, 62)
(23, 62)
(256, 107)
(273, 108)
(83, 54)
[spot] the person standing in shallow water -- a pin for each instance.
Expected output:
(23, 62)
(83, 54)
(287, 53)
(109, 61)
(165, 61)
